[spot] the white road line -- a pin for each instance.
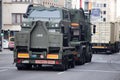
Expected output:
(6, 53)
(3, 70)
(103, 71)
(60, 73)
(7, 67)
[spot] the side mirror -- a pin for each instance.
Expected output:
(94, 29)
(62, 29)
(47, 24)
(25, 16)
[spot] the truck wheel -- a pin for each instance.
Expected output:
(23, 66)
(65, 64)
(80, 62)
(59, 67)
(19, 66)
(28, 66)
(89, 58)
(63, 68)
(73, 64)
(82, 59)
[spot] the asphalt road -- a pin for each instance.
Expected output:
(102, 67)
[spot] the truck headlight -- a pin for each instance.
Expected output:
(24, 24)
(56, 25)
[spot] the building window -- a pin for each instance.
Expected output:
(17, 18)
(104, 5)
(104, 19)
(22, 0)
(104, 12)
(86, 6)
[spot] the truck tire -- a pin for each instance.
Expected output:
(72, 62)
(59, 67)
(23, 66)
(65, 64)
(81, 60)
(64, 67)
(89, 58)
(19, 66)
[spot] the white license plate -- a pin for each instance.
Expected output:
(44, 61)
(41, 61)
(51, 62)
(25, 61)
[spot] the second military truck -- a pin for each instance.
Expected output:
(107, 37)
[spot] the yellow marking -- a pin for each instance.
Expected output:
(74, 24)
(99, 47)
(52, 56)
(23, 55)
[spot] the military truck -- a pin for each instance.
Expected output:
(53, 36)
(106, 39)
(81, 35)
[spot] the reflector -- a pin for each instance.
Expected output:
(22, 55)
(74, 24)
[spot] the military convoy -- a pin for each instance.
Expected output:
(53, 36)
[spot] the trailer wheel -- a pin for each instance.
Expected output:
(81, 61)
(63, 68)
(73, 64)
(23, 66)
(59, 67)
(19, 66)
(89, 58)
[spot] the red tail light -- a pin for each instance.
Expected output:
(58, 62)
(18, 61)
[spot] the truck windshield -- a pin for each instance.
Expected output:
(74, 17)
(45, 14)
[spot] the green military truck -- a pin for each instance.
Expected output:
(81, 35)
(53, 36)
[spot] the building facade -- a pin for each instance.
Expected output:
(13, 11)
(101, 10)
(68, 4)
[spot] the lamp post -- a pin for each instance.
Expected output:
(8, 33)
(1, 40)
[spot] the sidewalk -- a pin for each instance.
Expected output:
(6, 51)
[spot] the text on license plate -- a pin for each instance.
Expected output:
(45, 61)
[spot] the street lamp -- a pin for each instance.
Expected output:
(8, 33)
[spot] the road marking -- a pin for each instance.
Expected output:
(7, 67)
(106, 61)
(60, 73)
(103, 71)
(3, 70)
(6, 53)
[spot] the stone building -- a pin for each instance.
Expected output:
(13, 11)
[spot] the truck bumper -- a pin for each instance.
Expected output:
(95, 50)
(39, 61)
